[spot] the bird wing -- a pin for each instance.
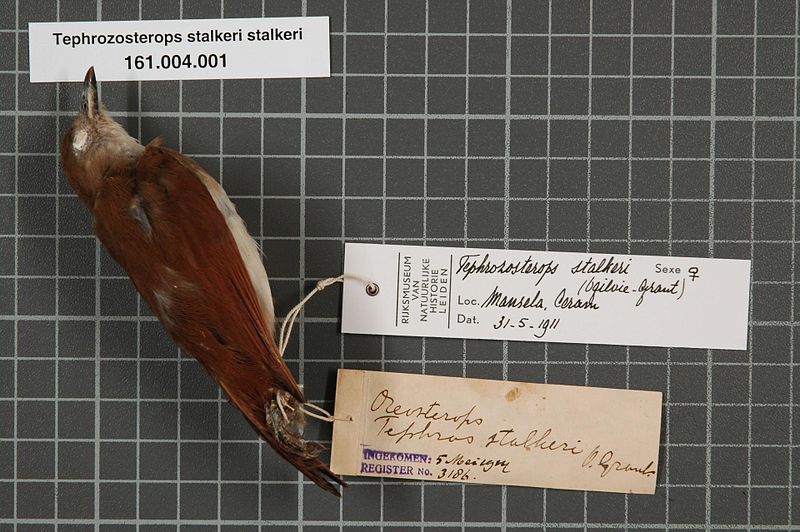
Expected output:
(160, 221)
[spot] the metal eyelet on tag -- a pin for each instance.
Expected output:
(372, 289)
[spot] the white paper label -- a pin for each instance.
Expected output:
(290, 47)
(454, 429)
(546, 296)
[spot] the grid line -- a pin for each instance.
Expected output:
(506, 208)
(547, 187)
(57, 306)
(750, 331)
(97, 300)
(139, 323)
(14, 496)
(425, 167)
(668, 387)
(588, 212)
(435, 116)
(220, 119)
(263, 258)
(630, 192)
(792, 310)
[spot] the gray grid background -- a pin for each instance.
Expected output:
(641, 126)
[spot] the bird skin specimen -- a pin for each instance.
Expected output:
(187, 251)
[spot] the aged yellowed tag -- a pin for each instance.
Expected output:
(495, 432)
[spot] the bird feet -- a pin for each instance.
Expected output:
(287, 421)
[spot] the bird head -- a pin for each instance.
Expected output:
(94, 143)
(84, 133)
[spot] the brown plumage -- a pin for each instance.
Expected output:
(171, 226)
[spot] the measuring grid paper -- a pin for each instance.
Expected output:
(638, 127)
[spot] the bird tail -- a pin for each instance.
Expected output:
(286, 421)
(280, 421)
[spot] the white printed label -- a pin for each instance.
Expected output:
(546, 296)
(290, 47)
(454, 429)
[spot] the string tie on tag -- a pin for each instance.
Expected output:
(288, 323)
(310, 409)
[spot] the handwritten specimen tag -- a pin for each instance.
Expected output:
(546, 296)
(281, 47)
(495, 432)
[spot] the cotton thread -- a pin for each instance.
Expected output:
(310, 409)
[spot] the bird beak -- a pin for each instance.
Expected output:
(90, 102)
